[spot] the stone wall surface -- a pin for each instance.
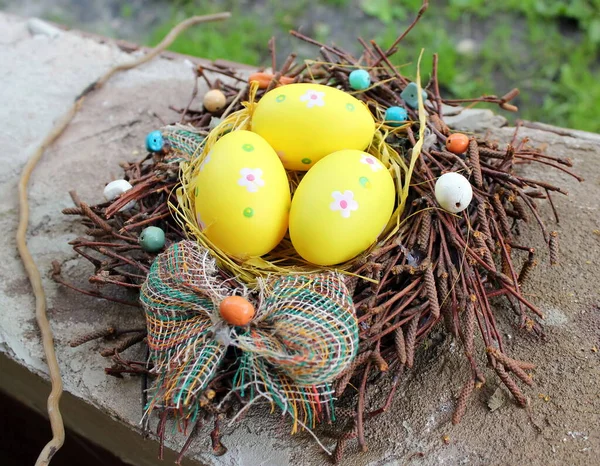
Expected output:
(43, 72)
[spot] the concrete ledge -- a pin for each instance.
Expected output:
(43, 74)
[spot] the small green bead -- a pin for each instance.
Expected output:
(152, 239)
(359, 80)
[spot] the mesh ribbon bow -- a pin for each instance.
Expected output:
(304, 334)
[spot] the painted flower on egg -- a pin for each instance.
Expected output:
(345, 203)
(313, 98)
(372, 162)
(251, 179)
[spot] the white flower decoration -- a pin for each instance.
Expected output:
(372, 162)
(313, 98)
(251, 179)
(343, 202)
(205, 161)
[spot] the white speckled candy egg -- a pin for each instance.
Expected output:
(340, 207)
(305, 122)
(453, 192)
(242, 195)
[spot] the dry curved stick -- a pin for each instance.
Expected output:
(56, 422)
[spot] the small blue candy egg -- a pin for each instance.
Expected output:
(360, 80)
(394, 116)
(154, 141)
(410, 95)
(152, 239)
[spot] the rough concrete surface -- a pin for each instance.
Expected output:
(41, 75)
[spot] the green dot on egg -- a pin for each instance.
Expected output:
(306, 161)
(350, 107)
(248, 212)
(364, 182)
(248, 147)
(196, 191)
(280, 98)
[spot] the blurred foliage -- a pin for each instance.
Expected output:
(550, 49)
(243, 38)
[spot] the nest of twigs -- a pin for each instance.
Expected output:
(439, 266)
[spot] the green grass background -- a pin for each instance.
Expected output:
(549, 49)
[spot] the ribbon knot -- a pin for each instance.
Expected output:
(303, 334)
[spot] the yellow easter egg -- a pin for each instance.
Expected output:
(340, 207)
(305, 122)
(242, 195)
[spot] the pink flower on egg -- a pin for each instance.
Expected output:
(345, 203)
(313, 98)
(372, 162)
(251, 179)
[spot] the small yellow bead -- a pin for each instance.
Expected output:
(214, 100)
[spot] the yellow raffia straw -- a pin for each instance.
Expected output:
(404, 188)
(284, 259)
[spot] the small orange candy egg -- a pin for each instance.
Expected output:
(457, 143)
(236, 310)
(264, 79)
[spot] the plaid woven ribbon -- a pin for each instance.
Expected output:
(304, 334)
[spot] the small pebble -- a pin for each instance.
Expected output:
(457, 143)
(154, 141)
(453, 192)
(410, 95)
(114, 189)
(359, 80)
(214, 100)
(152, 239)
(395, 116)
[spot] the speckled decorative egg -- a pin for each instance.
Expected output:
(242, 195)
(305, 122)
(340, 207)
(453, 192)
